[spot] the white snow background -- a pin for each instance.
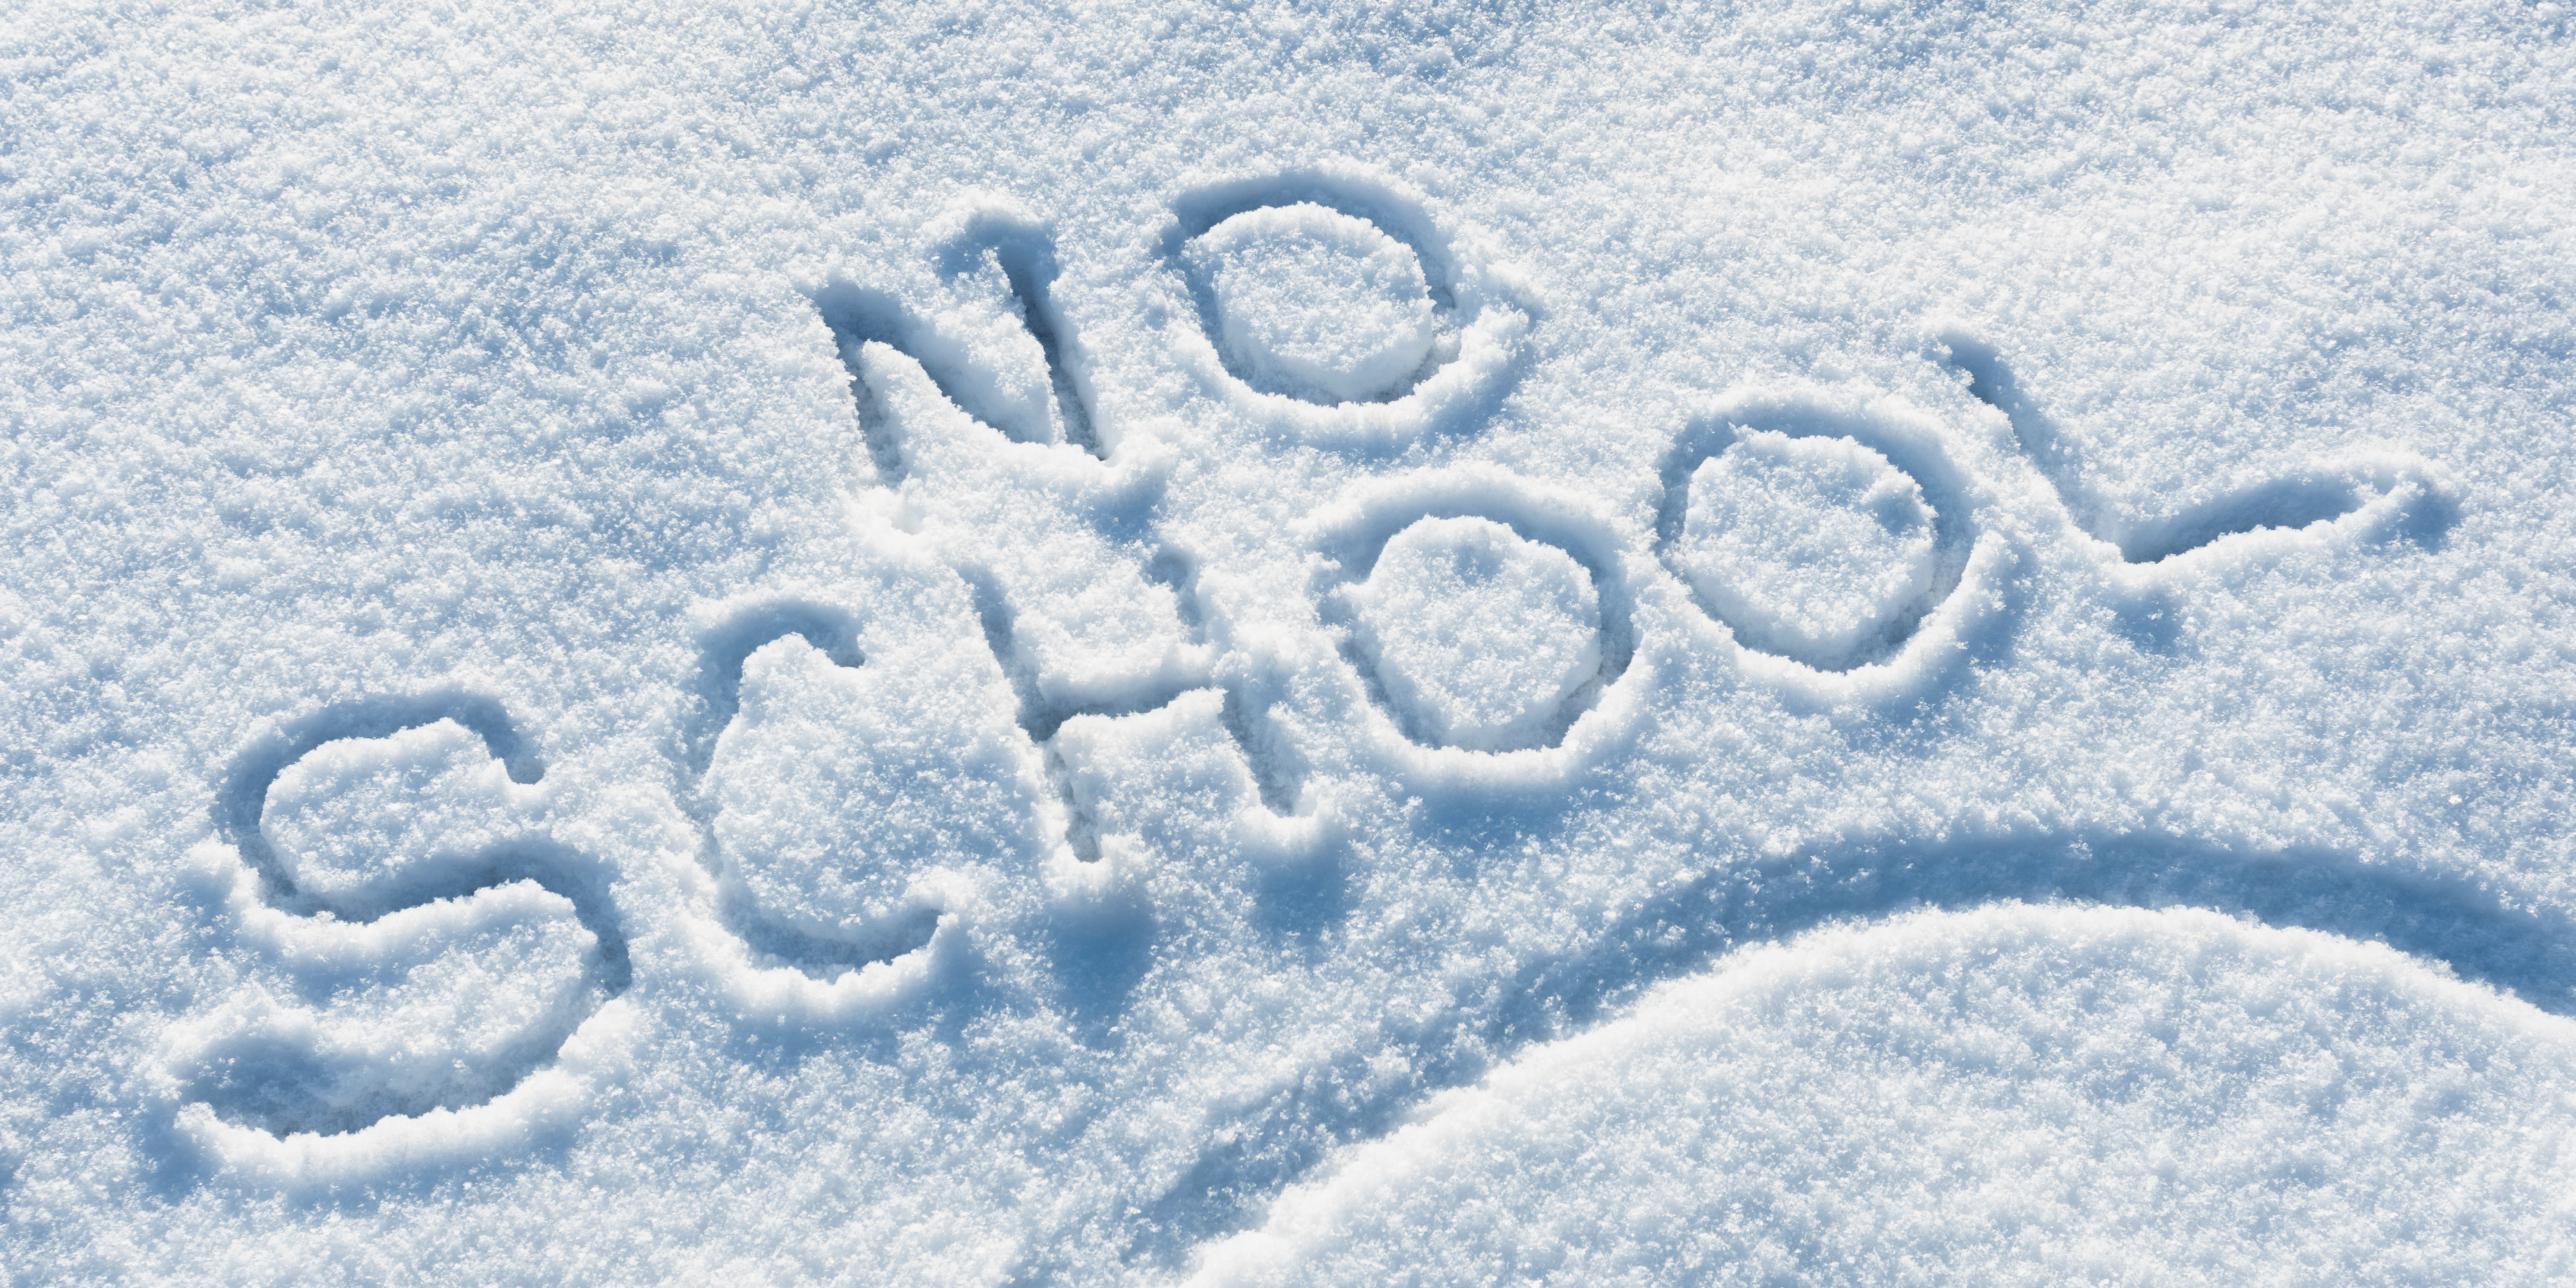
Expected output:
(1815, 643)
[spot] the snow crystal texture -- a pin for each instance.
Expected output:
(1313, 299)
(1817, 641)
(1477, 633)
(1811, 547)
(1993, 1097)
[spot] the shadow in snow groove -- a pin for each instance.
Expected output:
(1352, 554)
(2446, 920)
(856, 317)
(241, 802)
(1944, 485)
(1026, 255)
(2287, 503)
(717, 698)
(1400, 218)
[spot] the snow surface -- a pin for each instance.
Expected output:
(666, 643)
(1810, 547)
(2013, 1095)
(1311, 298)
(1479, 635)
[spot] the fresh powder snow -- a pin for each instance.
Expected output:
(1315, 300)
(1834, 642)
(1808, 547)
(1426, 618)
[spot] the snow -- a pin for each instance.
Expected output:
(1817, 641)
(1480, 635)
(2015, 1095)
(1310, 298)
(363, 826)
(837, 801)
(1810, 547)
(443, 1005)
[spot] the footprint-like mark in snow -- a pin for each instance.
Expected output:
(2391, 493)
(430, 946)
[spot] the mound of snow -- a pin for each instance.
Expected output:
(2022, 1094)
